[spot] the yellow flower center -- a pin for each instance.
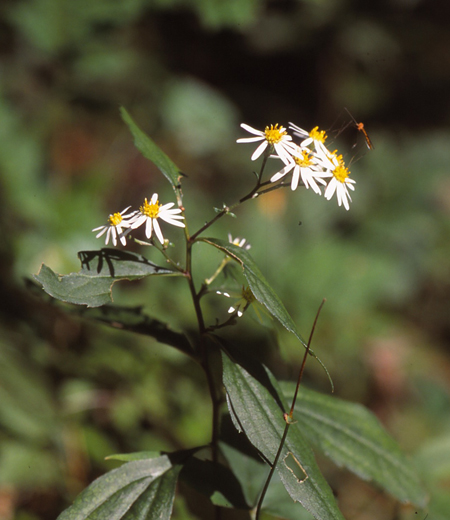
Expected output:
(149, 209)
(339, 158)
(305, 160)
(341, 173)
(247, 295)
(274, 134)
(318, 135)
(115, 219)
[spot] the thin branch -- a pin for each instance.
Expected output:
(287, 418)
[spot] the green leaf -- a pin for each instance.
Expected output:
(262, 291)
(352, 437)
(151, 151)
(252, 473)
(277, 502)
(259, 409)
(92, 285)
(134, 320)
(138, 455)
(215, 481)
(138, 490)
(433, 458)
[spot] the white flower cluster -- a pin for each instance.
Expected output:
(120, 224)
(310, 160)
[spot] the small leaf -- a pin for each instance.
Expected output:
(151, 151)
(138, 490)
(259, 409)
(92, 285)
(352, 437)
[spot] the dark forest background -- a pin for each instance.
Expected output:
(189, 72)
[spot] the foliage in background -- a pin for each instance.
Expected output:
(62, 141)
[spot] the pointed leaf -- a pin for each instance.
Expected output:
(138, 490)
(151, 151)
(352, 437)
(92, 285)
(262, 291)
(259, 409)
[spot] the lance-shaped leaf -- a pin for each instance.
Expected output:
(92, 285)
(262, 291)
(259, 286)
(259, 409)
(138, 490)
(151, 151)
(353, 437)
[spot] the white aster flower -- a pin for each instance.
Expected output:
(340, 181)
(117, 223)
(273, 136)
(240, 242)
(316, 137)
(304, 165)
(150, 212)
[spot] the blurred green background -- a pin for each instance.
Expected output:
(189, 72)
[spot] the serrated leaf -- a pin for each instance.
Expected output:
(151, 151)
(138, 490)
(92, 285)
(259, 409)
(352, 437)
(252, 473)
(135, 320)
(277, 502)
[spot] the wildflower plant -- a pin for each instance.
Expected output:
(244, 391)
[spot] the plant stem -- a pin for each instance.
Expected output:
(271, 472)
(227, 209)
(204, 352)
(302, 368)
(288, 416)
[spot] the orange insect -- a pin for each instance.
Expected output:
(360, 127)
